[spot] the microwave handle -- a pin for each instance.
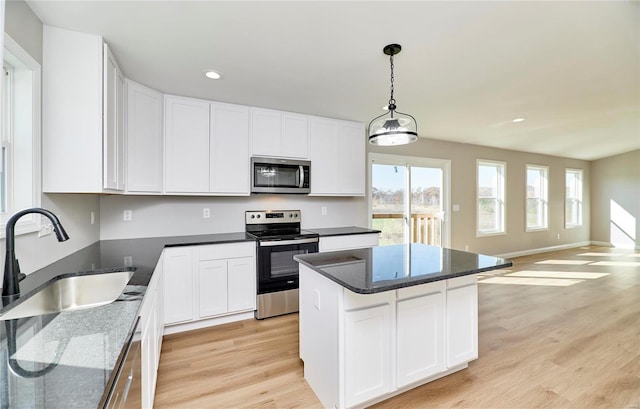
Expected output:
(301, 176)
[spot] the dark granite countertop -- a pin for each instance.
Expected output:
(66, 360)
(342, 231)
(384, 268)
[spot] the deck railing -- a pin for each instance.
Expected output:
(425, 228)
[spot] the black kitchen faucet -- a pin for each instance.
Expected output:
(12, 275)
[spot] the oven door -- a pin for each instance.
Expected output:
(277, 270)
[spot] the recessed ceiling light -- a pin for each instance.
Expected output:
(212, 74)
(516, 120)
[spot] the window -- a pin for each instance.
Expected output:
(491, 197)
(20, 186)
(537, 188)
(573, 198)
(408, 198)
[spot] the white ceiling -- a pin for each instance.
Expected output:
(571, 69)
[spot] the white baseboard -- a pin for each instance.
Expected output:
(544, 249)
(188, 326)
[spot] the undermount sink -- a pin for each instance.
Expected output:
(69, 293)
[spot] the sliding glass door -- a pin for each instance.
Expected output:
(408, 199)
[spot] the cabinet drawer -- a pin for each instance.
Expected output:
(352, 241)
(225, 251)
(354, 301)
(462, 281)
(420, 290)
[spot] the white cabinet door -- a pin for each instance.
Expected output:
(266, 130)
(113, 133)
(337, 153)
(178, 284)
(462, 324)
(144, 139)
(186, 145)
(367, 354)
(212, 287)
(241, 284)
(229, 150)
(324, 153)
(420, 338)
(72, 111)
(352, 159)
(295, 135)
(279, 134)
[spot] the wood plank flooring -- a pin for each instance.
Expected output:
(557, 330)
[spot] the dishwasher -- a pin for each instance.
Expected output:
(127, 387)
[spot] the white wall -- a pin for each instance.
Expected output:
(615, 200)
(463, 192)
(176, 216)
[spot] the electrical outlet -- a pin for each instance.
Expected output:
(456, 207)
(128, 261)
(323, 210)
(466, 247)
(93, 217)
(558, 236)
(206, 213)
(45, 230)
(127, 215)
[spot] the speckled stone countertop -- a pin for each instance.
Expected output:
(66, 360)
(342, 231)
(384, 268)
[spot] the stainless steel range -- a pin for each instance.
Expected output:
(279, 239)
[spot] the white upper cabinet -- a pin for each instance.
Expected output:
(186, 145)
(229, 133)
(337, 152)
(279, 134)
(113, 132)
(206, 147)
(80, 76)
(144, 108)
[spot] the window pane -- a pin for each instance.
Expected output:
(426, 205)
(387, 202)
(487, 181)
(488, 215)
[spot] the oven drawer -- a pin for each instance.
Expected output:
(225, 251)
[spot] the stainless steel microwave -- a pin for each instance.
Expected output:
(274, 175)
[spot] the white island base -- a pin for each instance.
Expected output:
(359, 349)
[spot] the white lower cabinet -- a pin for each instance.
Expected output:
(152, 323)
(209, 281)
(178, 284)
(361, 349)
(420, 337)
(348, 242)
(462, 320)
(367, 346)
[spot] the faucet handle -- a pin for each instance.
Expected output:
(20, 275)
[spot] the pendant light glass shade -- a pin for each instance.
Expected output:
(393, 128)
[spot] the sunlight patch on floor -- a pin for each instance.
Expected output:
(617, 263)
(565, 262)
(553, 282)
(583, 275)
(603, 254)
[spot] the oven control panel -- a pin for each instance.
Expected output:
(272, 216)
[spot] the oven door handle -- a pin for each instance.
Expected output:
(287, 242)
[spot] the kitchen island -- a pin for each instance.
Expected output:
(377, 322)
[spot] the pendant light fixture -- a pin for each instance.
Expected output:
(393, 128)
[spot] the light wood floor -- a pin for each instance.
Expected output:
(557, 330)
